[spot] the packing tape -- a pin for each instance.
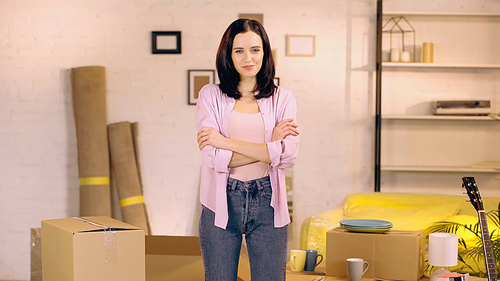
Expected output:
(109, 239)
(131, 201)
(94, 181)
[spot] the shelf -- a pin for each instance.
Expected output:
(460, 54)
(453, 169)
(438, 117)
(438, 65)
(456, 14)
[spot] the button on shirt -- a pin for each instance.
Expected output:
(213, 110)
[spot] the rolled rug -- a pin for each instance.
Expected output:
(126, 176)
(88, 90)
(135, 137)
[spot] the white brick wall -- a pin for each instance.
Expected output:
(41, 40)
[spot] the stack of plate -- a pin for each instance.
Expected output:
(366, 225)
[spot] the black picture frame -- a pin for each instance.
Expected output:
(159, 48)
(276, 81)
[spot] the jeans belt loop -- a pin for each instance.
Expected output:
(259, 185)
(233, 186)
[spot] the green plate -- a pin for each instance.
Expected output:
(366, 225)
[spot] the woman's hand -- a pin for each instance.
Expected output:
(210, 136)
(284, 128)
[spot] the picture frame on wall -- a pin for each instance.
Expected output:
(276, 81)
(301, 45)
(196, 80)
(166, 42)
(257, 17)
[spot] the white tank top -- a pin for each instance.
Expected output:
(249, 128)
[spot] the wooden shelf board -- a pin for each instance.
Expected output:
(438, 65)
(424, 13)
(438, 117)
(437, 169)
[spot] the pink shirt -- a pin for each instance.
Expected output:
(250, 128)
(213, 110)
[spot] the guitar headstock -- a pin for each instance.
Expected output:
(469, 183)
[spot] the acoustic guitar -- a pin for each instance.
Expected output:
(469, 183)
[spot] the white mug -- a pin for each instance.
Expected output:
(355, 268)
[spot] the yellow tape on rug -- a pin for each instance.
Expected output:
(94, 181)
(131, 201)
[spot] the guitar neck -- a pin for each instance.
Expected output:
(488, 253)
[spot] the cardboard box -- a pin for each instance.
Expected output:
(36, 254)
(296, 277)
(318, 272)
(179, 258)
(92, 248)
(393, 255)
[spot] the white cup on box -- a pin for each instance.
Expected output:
(355, 268)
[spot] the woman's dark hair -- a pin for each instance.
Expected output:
(229, 77)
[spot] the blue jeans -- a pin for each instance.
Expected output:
(250, 213)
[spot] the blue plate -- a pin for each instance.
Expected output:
(366, 225)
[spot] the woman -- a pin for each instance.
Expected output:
(247, 137)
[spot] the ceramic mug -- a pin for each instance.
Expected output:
(312, 260)
(297, 260)
(355, 268)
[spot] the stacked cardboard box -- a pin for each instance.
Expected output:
(392, 255)
(92, 248)
(36, 254)
(179, 258)
(101, 248)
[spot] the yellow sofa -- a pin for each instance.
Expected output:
(405, 211)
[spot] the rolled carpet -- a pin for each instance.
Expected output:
(88, 90)
(126, 176)
(135, 137)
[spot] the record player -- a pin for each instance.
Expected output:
(461, 107)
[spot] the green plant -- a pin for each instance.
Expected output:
(471, 255)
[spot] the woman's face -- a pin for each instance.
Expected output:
(247, 54)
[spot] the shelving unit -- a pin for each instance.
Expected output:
(466, 66)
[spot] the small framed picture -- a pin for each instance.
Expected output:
(276, 81)
(257, 17)
(301, 45)
(166, 42)
(197, 79)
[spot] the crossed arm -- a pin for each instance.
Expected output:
(245, 152)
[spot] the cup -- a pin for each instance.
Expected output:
(297, 260)
(355, 268)
(312, 260)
